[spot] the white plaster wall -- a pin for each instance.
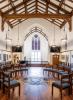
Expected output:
(3, 37)
(46, 26)
(69, 51)
(3, 49)
(69, 36)
(43, 47)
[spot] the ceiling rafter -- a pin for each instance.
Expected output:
(57, 19)
(70, 1)
(60, 5)
(67, 6)
(31, 7)
(64, 22)
(42, 7)
(12, 5)
(18, 5)
(56, 6)
(37, 7)
(52, 22)
(5, 6)
(42, 3)
(2, 1)
(20, 22)
(66, 17)
(3, 21)
(25, 6)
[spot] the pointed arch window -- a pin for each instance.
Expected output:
(36, 42)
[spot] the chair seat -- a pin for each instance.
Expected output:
(6, 79)
(54, 70)
(47, 69)
(10, 70)
(12, 83)
(58, 84)
(62, 72)
(65, 80)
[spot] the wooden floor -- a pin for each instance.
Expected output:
(35, 88)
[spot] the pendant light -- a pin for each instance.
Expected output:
(18, 38)
(65, 38)
(7, 29)
(54, 39)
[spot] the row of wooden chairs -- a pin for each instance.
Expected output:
(7, 82)
(66, 82)
(66, 79)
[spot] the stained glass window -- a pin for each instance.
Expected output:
(36, 42)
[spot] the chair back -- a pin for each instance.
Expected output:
(60, 68)
(67, 69)
(71, 77)
(6, 78)
(1, 73)
(65, 79)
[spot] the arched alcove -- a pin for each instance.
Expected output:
(36, 47)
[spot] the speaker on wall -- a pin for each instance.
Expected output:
(16, 49)
(55, 49)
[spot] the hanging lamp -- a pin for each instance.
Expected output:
(54, 39)
(65, 38)
(18, 45)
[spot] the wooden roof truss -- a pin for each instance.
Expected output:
(58, 12)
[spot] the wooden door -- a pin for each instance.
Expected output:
(55, 59)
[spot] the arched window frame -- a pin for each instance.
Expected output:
(35, 42)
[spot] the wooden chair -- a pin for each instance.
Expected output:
(71, 85)
(1, 78)
(8, 84)
(62, 84)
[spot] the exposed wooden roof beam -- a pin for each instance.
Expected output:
(52, 22)
(12, 5)
(9, 23)
(66, 17)
(20, 22)
(61, 2)
(2, 1)
(64, 22)
(42, 3)
(36, 5)
(5, 6)
(25, 6)
(56, 6)
(70, 1)
(39, 15)
(20, 4)
(3, 21)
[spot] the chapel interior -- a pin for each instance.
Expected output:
(36, 49)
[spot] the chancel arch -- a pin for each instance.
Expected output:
(36, 46)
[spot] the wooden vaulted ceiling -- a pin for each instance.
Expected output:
(57, 12)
